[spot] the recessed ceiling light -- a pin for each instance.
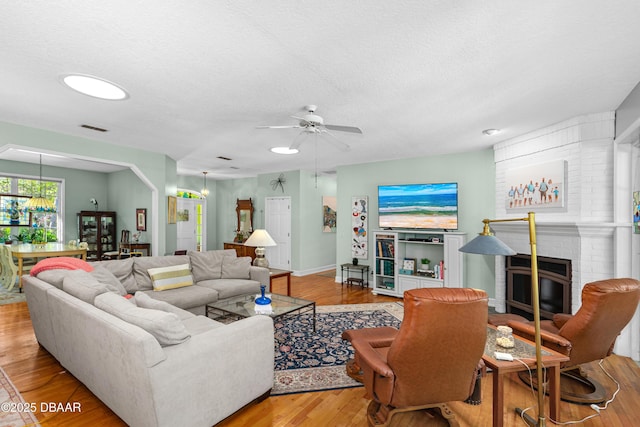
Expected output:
(284, 150)
(95, 86)
(491, 131)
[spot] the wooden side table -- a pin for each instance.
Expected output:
(274, 273)
(363, 280)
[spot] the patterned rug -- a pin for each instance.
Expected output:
(9, 297)
(313, 361)
(14, 411)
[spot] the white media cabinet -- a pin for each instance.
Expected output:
(393, 247)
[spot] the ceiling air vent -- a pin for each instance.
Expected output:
(97, 129)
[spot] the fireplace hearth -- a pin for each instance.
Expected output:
(554, 276)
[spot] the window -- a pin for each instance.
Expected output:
(49, 221)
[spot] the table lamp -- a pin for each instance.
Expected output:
(260, 238)
(488, 244)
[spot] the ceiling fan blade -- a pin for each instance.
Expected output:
(278, 127)
(351, 129)
(302, 136)
(336, 142)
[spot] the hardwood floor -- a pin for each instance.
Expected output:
(40, 378)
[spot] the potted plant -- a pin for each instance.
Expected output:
(5, 236)
(425, 263)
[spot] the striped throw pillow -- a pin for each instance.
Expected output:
(175, 276)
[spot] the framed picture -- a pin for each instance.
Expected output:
(141, 219)
(13, 210)
(359, 227)
(329, 214)
(636, 212)
(172, 209)
(409, 264)
(536, 187)
(183, 215)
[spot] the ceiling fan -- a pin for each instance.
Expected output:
(311, 123)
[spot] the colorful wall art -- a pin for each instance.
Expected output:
(329, 213)
(534, 187)
(359, 226)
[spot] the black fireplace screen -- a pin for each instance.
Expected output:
(554, 276)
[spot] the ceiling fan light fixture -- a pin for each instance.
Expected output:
(284, 150)
(95, 87)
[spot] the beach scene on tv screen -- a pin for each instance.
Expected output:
(428, 206)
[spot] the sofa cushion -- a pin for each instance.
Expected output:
(83, 285)
(145, 301)
(65, 262)
(236, 268)
(53, 277)
(141, 266)
(227, 288)
(165, 327)
(174, 276)
(122, 269)
(102, 275)
(199, 324)
(208, 265)
(186, 298)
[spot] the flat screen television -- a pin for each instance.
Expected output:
(418, 206)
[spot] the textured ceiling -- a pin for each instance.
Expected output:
(418, 77)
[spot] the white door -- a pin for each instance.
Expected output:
(190, 222)
(277, 218)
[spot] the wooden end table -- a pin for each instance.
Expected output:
(274, 273)
(524, 350)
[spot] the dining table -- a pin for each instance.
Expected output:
(45, 250)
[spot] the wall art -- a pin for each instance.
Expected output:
(329, 214)
(534, 187)
(636, 212)
(359, 227)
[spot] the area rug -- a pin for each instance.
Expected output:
(14, 411)
(12, 296)
(313, 361)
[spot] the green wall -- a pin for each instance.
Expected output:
(155, 170)
(126, 194)
(79, 187)
(473, 171)
(310, 247)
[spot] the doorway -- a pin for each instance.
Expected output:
(277, 219)
(191, 220)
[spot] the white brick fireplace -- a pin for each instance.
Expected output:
(584, 230)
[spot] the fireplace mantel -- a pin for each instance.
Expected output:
(583, 229)
(587, 244)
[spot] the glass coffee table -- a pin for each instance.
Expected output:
(242, 306)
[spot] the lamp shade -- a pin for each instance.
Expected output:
(260, 238)
(40, 204)
(487, 245)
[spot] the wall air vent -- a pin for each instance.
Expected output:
(97, 129)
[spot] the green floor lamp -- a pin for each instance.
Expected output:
(488, 244)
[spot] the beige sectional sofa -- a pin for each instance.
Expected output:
(151, 358)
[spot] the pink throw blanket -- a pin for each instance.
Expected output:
(67, 263)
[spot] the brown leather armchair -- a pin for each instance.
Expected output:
(432, 359)
(589, 335)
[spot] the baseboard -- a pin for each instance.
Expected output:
(314, 270)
